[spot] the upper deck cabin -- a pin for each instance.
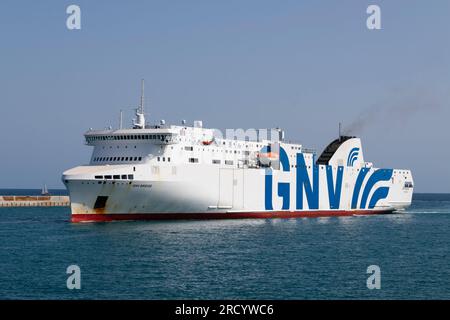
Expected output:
(177, 144)
(180, 144)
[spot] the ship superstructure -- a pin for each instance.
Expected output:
(167, 171)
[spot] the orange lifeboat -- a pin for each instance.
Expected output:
(207, 142)
(267, 158)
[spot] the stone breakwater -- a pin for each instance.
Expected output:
(34, 201)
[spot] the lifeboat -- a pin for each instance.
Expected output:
(207, 142)
(266, 158)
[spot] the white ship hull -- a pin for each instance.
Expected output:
(166, 172)
(198, 191)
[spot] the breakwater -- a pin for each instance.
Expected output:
(34, 201)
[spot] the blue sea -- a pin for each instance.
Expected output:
(318, 258)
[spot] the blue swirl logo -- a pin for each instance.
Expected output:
(352, 157)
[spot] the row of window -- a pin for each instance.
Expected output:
(128, 137)
(116, 177)
(161, 137)
(247, 153)
(163, 159)
(408, 184)
(214, 161)
(101, 159)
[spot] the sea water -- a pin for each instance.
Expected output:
(305, 258)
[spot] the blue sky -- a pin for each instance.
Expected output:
(300, 65)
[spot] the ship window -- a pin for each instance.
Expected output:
(189, 148)
(108, 177)
(123, 158)
(158, 158)
(124, 176)
(140, 158)
(193, 160)
(130, 177)
(216, 161)
(168, 159)
(98, 177)
(116, 176)
(229, 162)
(164, 159)
(135, 158)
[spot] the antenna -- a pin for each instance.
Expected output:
(139, 121)
(142, 96)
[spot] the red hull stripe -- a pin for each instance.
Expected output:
(103, 217)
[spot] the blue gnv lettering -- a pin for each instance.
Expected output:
(310, 188)
(284, 189)
(334, 192)
(303, 183)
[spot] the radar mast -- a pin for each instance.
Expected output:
(139, 121)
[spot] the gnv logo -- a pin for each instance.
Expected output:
(352, 157)
(310, 187)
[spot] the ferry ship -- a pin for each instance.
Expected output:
(166, 171)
